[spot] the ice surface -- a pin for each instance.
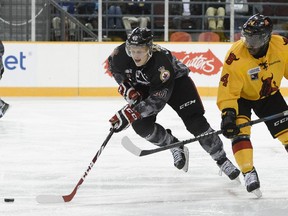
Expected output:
(46, 145)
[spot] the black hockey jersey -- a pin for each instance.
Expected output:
(154, 80)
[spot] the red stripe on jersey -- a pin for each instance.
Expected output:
(242, 144)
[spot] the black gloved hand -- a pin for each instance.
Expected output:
(228, 124)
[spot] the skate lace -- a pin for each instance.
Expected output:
(176, 152)
(227, 167)
(250, 178)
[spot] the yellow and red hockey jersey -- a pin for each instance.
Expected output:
(250, 78)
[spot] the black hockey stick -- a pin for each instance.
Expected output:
(69, 197)
(129, 145)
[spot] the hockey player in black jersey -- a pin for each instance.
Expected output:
(150, 77)
(3, 106)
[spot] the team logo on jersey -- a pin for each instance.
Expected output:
(232, 57)
(264, 65)
(253, 73)
(141, 77)
(164, 74)
(128, 73)
(162, 93)
(268, 86)
(275, 62)
(285, 40)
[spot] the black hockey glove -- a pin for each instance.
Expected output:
(228, 124)
(129, 93)
(123, 118)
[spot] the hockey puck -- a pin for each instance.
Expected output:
(8, 200)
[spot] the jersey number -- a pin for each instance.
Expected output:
(224, 79)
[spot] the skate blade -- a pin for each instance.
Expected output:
(186, 153)
(257, 193)
(237, 180)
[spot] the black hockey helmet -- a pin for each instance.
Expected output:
(140, 37)
(257, 33)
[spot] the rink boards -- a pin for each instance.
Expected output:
(80, 68)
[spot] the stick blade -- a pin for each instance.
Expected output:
(50, 199)
(129, 146)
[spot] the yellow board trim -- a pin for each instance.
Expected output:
(87, 92)
(57, 92)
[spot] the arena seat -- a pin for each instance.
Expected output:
(180, 37)
(208, 37)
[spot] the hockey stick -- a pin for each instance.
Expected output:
(69, 197)
(131, 147)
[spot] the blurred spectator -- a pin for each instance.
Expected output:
(215, 14)
(115, 15)
(180, 9)
(255, 6)
(137, 12)
(278, 13)
(70, 27)
(185, 10)
(241, 10)
(87, 13)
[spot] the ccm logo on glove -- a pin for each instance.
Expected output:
(123, 118)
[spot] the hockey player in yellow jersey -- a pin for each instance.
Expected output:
(250, 81)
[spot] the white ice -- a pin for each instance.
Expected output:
(46, 145)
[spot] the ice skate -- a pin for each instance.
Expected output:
(252, 182)
(3, 108)
(180, 155)
(230, 170)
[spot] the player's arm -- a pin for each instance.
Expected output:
(117, 62)
(154, 103)
(229, 90)
(161, 89)
(1, 60)
(115, 70)
(286, 59)
(150, 106)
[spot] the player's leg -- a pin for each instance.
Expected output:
(187, 103)
(243, 149)
(156, 134)
(278, 127)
